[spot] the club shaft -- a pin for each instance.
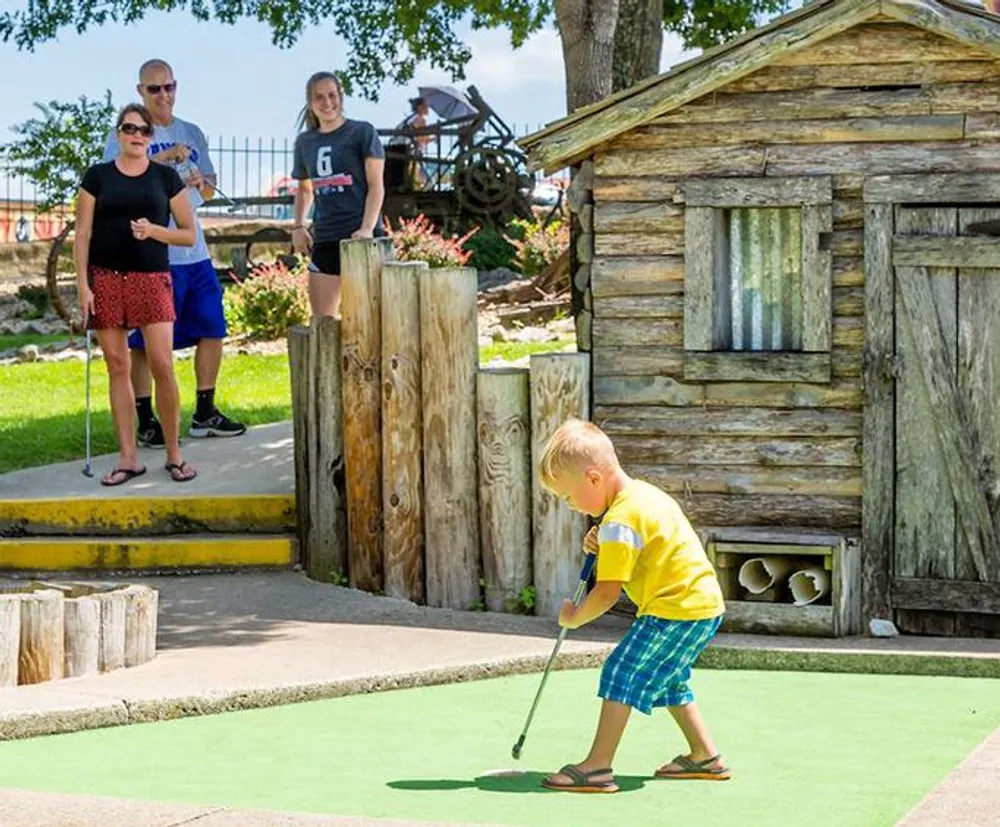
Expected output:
(580, 589)
(87, 401)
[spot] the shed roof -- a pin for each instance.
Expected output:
(571, 139)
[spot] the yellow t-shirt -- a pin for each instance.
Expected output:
(646, 541)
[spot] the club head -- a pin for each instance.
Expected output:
(515, 753)
(88, 471)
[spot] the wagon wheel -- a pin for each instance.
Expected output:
(487, 179)
(60, 278)
(268, 235)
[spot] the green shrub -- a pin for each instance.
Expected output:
(537, 246)
(272, 298)
(37, 296)
(490, 249)
(418, 240)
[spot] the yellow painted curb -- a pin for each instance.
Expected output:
(154, 515)
(104, 553)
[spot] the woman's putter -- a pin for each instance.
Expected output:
(581, 589)
(87, 470)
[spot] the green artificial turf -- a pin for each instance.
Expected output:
(806, 748)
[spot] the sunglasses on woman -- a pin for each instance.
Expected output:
(136, 129)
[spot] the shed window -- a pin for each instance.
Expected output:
(762, 276)
(758, 281)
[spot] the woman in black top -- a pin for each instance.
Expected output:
(123, 213)
(338, 162)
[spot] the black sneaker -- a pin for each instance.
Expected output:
(152, 435)
(218, 424)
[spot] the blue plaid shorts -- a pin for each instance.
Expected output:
(651, 665)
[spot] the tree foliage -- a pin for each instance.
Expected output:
(386, 39)
(55, 149)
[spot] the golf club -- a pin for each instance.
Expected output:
(87, 470)
(234, 206)
(581, 588)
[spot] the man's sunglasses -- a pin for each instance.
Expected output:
(154, 88)
(134, 129)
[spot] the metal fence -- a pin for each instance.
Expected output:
(246, 168)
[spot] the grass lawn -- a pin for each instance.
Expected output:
(824, 750)
(42, 404)
(22, 339)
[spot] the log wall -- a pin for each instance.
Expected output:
(882, 98)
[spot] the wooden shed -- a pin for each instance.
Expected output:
(788, 263)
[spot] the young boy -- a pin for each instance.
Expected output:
(645, 545)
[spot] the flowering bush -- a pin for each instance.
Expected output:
(418, 240)
(272, 298)
(537, 246)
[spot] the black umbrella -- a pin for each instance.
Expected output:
(448, 102)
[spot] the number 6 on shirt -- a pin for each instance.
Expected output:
(324, 164)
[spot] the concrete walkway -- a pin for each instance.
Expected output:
(259, 462)
(237, 641)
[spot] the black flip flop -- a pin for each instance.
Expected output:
(130, 474)
(184, 468)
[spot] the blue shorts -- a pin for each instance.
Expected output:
(651, 665)
(197, 303)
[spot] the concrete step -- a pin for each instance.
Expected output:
(211, 551)
(139, 516)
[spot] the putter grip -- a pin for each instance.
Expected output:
(588, 566)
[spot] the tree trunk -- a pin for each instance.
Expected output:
(587, 31)
(638, 42)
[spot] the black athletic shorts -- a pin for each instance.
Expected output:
(326, 254)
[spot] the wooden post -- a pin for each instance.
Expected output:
(560, 389)
(139, 617)
(361, 293)
(112, 655)
(449, 343)
(402, 434)
(147, 634)
(82, 636)
(328, 523)
(300, 373)
(10, 637)
(41, 655)
(504, 423)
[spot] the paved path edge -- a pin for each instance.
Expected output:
(123, 711)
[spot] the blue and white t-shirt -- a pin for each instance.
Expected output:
(164, 137)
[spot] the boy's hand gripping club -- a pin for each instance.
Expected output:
(581, 589)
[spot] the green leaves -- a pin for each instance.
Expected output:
(55, 149)
(703, 24)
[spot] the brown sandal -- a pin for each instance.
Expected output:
(698, 770)
(582, 782)
(185, 473)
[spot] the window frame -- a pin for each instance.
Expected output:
(706, 201)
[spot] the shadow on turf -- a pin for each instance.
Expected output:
(527, 782)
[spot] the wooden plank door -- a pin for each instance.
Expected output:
(946, 556)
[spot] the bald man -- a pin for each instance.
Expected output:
(201, 321)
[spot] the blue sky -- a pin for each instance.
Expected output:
(232, 81)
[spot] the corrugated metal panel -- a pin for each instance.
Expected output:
(765, 279)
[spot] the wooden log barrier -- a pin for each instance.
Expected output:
(82, 637)
(560, 389)
(41, 654)
(140, 618)
(112, 646)
(317, 412)
(301, 377)
(504, 424)
(449, 363)
(10, 637)
(361, 294)
(402, 431)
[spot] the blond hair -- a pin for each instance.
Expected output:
(575, 446)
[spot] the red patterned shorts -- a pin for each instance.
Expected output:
(130, 300)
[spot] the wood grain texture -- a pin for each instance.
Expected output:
(504, 426)
(10, 638)
(817, 280)
(664, 390)
(41, 656)
(682, 480)
(878, 462)
(741, 450)
(82, 637)
(661, 420)
(300, 374)
(935, 188)
(769, 366)
(637, 276)
(361, 342)
(449, 363)
(402, 431)
(112, 629)
(560, 389)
